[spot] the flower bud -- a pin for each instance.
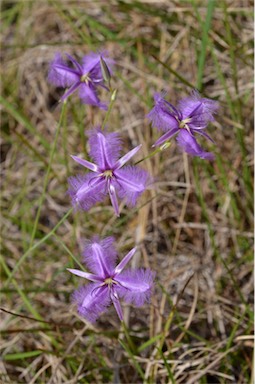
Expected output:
(105, 70)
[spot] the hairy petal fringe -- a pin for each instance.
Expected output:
(60, 74)
(130, 183)
(108, 251)
(92, 301)
(94, 190)
(136, 285)
(104, 148)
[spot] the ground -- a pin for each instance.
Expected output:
(193, 227)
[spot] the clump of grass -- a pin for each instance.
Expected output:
(194, 228)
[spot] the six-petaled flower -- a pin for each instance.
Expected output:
(109, 283)
(86, 76)
(109, 175)
(191, 116)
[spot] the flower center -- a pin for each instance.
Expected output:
(108, 173)
(109, 281)
(183, 123)
(85, 78)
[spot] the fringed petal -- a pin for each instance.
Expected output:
(92, 301)
(60, 74)
(100, 255)
(200, 110)
(163, 115)
(135, 286)
(130, 183)
(104, 148)
(87, 190)
(188, 143)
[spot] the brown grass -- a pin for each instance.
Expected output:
(200, 247)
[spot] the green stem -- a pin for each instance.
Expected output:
(129, 340)
(153, 153)
(113, 98)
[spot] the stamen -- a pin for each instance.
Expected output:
(85, 78)
(108, 281)
(183, 123)
(108, 173)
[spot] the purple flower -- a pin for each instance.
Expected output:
(109, 175)
(191, 116)
(109, 283)
(86, 76)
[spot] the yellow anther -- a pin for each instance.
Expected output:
(183, 123)
(108, 173)
(85, 78)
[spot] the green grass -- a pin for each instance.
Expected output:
(194, 228)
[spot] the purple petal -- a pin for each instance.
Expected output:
(85, 275)
(118, 269)
(167, 136)
(87, 190)
(113, 198)
(70, 91)
(189, 104)
(135, 286)
(104, 148)
(199, 109)
(75, 63)
(204, 134)
(92, 301)
(60, 74)
(85, 163)
(126, 157)
(188, 144)
(172, 110)
(162, 120)
(162, 116)
(130, 182)
(91, 64)
(88, 95)
(100, 255)
(116, 303)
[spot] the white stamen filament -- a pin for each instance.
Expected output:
(85, 78)
(184, 123)
(108, 173)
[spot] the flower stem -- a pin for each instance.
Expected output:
(129, 340)
(157, 150)
(113, 98)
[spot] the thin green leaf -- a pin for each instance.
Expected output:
(21, 355)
